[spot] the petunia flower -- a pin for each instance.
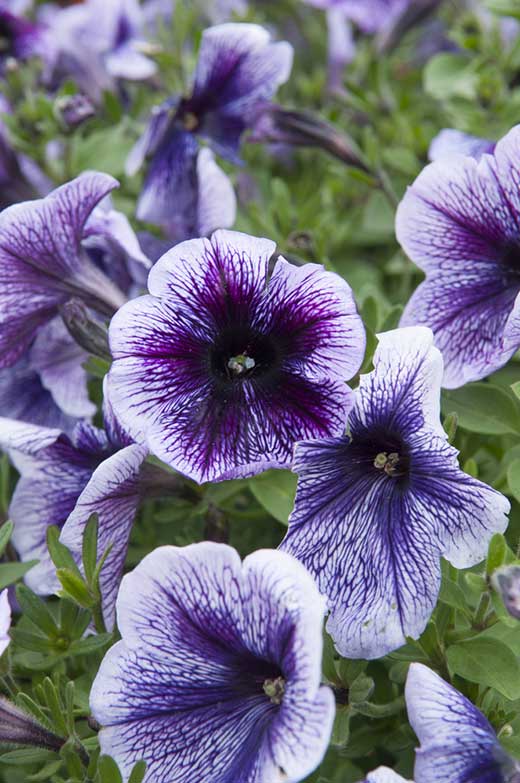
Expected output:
(459, 222)
(376, 510)
(43, 262)
(21, 38)
(97, 43)
(5, 620)
(217, 676)
(458, 744)
(238, 70)
(58, 473)
(450, 141)
(224, 366)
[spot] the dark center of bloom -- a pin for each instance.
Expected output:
(383, 452)
(511, 260)
(242, 353)
(275, 689)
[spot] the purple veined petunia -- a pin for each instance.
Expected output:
(450, 141)
(97, 43)
(384, 775)
(63, 480)
(217, 676)
(224, 366)
(44, 263)
(459, 222)
(239, 69)
(5, 620)
(376, 510)
(458, 745)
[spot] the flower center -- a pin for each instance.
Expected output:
(387, 462)
(190, 121)
(274, 689)
(241, 364)
(239, 354)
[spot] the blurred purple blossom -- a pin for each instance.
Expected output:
(218, 674)
(5, 620)
(223, 366)
(450, 141)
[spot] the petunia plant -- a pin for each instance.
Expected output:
(259, 391)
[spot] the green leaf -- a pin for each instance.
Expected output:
(90, 645)
(275, 491)
(496, 553)
(27, 756)
(5, 534)
(75, 587)
(450, 425)
(12, 572)
(341, 728)
(483, 408)
(60, 555)
(138, 772)
(488, 662)
(36, 610)
(108, 770)
(513, 478)
(453, 595)
(447, 75)
(89, 547)
(103, 150)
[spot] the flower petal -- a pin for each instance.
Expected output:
(450, 142)
(457, 742)
(113, 494)
(217, 203)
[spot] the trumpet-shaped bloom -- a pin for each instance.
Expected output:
(459, 222)
(376, 510)
(238, 70)
(217, 677)
(506, 581)
(458, 745)
(223, 366)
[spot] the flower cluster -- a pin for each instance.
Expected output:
(192, 352)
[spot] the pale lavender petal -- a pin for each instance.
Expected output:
(217, 203)
(384, 775)
(113, 494)
(59, 361)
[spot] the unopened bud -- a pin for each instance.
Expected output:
(16, 727)
(72, 110)
(506, 581)
(89, 334)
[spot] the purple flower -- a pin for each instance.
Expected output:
(451, 142)
(5, 621)
(458, 744)
(376, 510)
(238, 70)
(21, 39)
(97, 43)
(223, 367)
(217, 676)
(43, 262)
(60, 476)
(459, 222)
